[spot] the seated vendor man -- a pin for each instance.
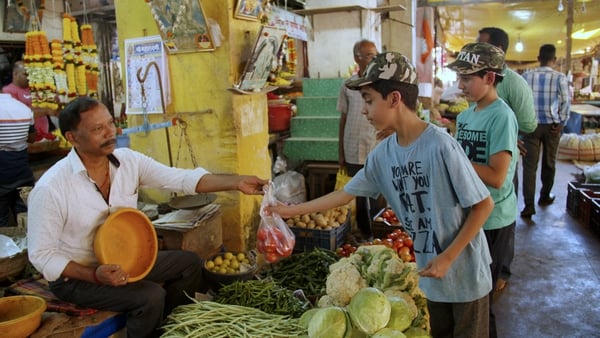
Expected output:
(76, 195)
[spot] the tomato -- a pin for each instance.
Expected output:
(271, 257)
(346, 246)
(262, 234)
(392, 235)
(408, 242)
(388, 242)
(398, 243)
(404, 251)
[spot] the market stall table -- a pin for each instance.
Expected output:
(576, 124)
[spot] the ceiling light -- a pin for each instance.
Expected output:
(560, 6)
(583, 35)
(519, 45)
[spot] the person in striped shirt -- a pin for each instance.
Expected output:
(16, 130)
(552, 105)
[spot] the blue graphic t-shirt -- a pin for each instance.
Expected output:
(431, 186)
(485, 133)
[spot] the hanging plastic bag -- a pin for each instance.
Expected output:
(274, 238)
(289, 185)
(341, 178)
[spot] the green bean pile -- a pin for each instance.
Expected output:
(215, 320)
(307, 271)
(267, 296)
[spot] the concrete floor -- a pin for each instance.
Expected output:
(554, 290)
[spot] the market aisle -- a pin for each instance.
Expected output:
(555, 286)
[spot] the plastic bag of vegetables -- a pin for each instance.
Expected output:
(274, 239)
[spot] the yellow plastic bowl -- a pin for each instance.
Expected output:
(20, 316)
(127, 238)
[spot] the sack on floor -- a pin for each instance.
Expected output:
(568, 147)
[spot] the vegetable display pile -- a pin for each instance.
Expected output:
(229, 263)
(267, 296)
(398, 240)
(213, 320)
(307, 271)
(326, 220)
(365, 285)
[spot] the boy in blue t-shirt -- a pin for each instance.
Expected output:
(428, 181)
(488, 131)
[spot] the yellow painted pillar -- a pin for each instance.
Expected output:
(228, 132)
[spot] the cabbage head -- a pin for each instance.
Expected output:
(328, 322)
(401, 316)
(416, 332)
(386, 332)
(306, 317)
(369, 310)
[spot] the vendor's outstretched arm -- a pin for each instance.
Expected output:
(250, 185)
(333, 199)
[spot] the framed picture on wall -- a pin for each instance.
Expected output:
(182, 25)
(18, 15)
(263, 59)
(248, 9)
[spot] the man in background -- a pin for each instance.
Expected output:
(552, 105)
(517, 94)
(356, 135)
(19, 89)
(16, 130)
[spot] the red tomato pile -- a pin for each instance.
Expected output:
(397, 240)
(274, 244)
(389, 216)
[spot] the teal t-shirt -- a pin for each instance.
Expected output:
(431, 185)
(482, 134)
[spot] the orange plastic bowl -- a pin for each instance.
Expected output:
(20, 316)
(127, 238)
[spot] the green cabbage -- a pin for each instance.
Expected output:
(400, 318)
(329, 322)
(386, 332)
(369, 310)
(416, 332)
(306, 317)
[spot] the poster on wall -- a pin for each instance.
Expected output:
(182, 25)
(139, 53)
(263, 59)
(18, 15)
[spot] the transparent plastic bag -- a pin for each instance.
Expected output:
(274, 238)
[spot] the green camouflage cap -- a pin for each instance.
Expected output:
(477, 56)
(390, 66)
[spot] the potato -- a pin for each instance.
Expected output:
(300, 225)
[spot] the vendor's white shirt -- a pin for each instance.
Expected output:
(65, 208)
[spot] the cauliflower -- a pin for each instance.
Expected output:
(343, 282)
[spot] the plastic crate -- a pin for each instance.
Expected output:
(308, 239)
(381, 229)
(574, 195)
(585, 205)
(595, 216)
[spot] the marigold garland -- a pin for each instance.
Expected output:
(40, 73)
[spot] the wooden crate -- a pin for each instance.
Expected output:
(585, 205)
(595, 216)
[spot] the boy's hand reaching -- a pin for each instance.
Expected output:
(435, 268)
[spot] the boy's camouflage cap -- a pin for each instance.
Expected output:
(477, 56)
(390, 66)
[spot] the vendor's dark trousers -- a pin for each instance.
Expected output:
(146, 302)
(364, 205)
(459, 320)
(543, 138)
(10, 201)
(499, 242)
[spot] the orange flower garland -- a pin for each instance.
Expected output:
(90, 59)
(38, 64)
(69, 53)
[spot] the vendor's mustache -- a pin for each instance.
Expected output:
(109, 143)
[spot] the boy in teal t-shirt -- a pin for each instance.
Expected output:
(488, 131)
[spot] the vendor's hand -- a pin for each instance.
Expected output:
(435, 268)
(111, 274)
(251, 185)
(522, 149)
